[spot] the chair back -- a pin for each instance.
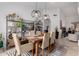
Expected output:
(38, 33)
(31, 33)
(17, 43)
(45, 42)
(52, 37)
(21, 49)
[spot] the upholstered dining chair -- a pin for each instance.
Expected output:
(21, 49)
(45, 42)
(38, 32)
(52, 37)
(52, 41)
(31, 33)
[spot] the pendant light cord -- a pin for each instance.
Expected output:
(45, 7)
(36, 4)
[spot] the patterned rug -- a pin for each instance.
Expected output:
(58, 51)
(12, 51)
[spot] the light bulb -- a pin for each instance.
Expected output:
(36, 14)
(45, 16)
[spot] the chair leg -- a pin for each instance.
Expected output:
(52, 46)
(16, 54)
(42, 52)
(32, 52)
(48, 50)
(37, 49)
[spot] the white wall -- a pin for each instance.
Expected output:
(69, 20)
(63, 18)
(55, 20)
(78, 8)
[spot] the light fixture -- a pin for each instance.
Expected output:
(55, 15)
(36, 13)
(46, 16)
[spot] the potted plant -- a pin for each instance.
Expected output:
(1, 42)
(20, 23)
(0, 36)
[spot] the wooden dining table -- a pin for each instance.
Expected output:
(35, 39)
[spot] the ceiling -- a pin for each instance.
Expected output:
(69, 9)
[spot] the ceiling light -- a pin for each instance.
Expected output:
(46, 16)
(36, 13)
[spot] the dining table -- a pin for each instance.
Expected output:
(35, 39)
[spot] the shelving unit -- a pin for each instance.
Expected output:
(11, 21)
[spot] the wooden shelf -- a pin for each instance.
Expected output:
(13, 21)
(26, 22)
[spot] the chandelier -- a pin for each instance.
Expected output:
(36, 13)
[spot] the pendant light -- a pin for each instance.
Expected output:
(46, 16)
(36, 13)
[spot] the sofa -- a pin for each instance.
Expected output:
(72, 37)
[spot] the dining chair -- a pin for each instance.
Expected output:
(38, 32)
(31, 33)
(21, 49)
(52, 41)
(52, 38)
(45, 43)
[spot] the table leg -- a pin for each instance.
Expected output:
(49, 47)
(33, 50)
(37, 46)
